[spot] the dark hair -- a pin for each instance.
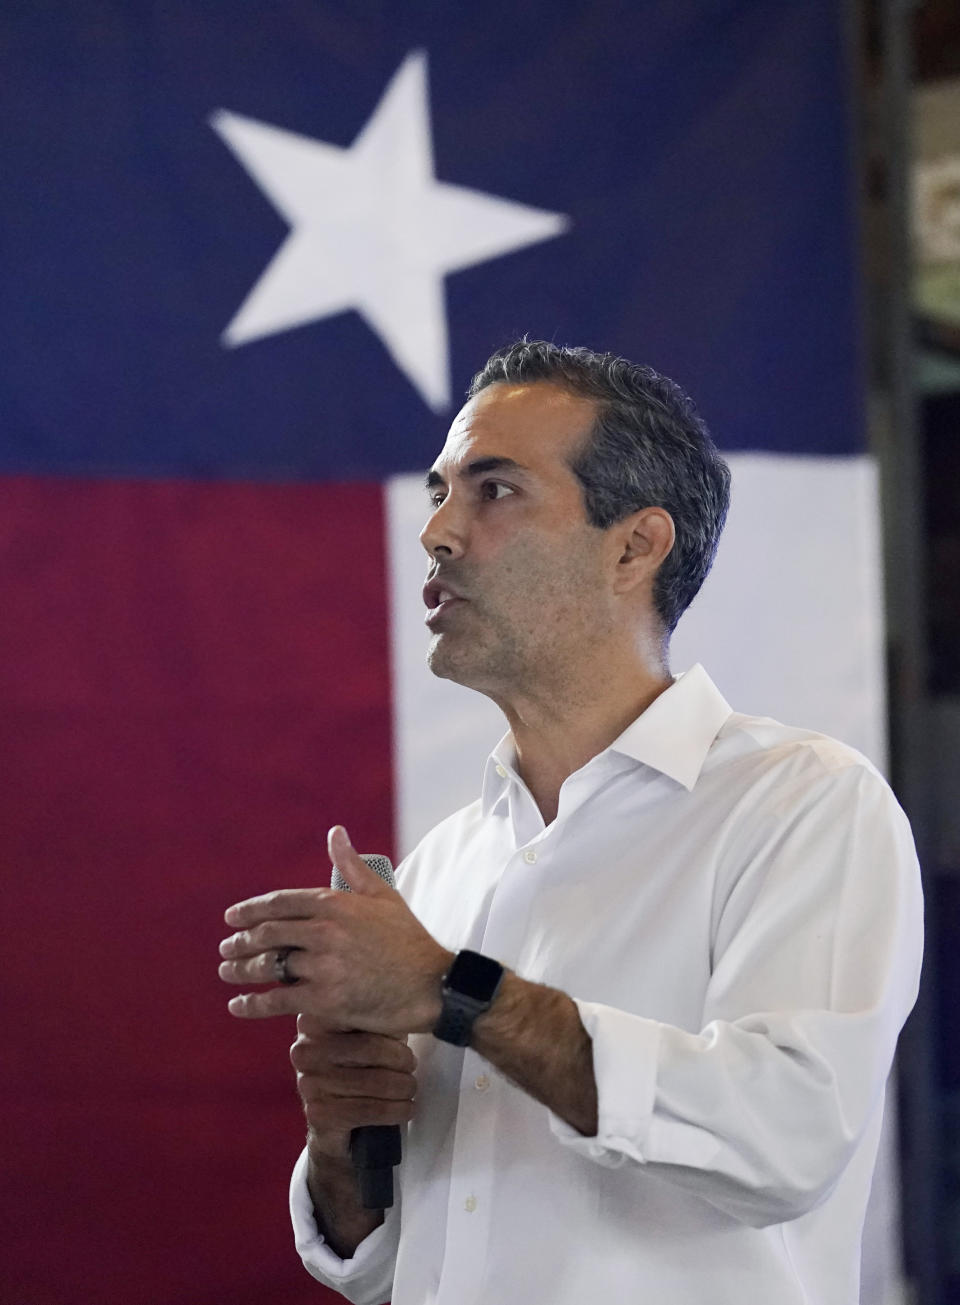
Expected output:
(648, 448)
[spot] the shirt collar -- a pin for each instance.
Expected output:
(675, 732)
(672, 736)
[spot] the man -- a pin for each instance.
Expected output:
(709, 923)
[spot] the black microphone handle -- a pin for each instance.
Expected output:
(374, 1148)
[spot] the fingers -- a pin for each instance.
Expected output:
(348, 1079)
(372, 1050)
(276, 933)
(340, 1081)
(352, 866)
(264, 1005)
(312, 1026)
(302, 903)
(262, 968)
(282, 904)
(251, 954)
(356, 960)
(346, 1098)
(329, 1113)
(351, 1049)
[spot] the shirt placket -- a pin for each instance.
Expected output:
(473, 1177)
(470, 1201)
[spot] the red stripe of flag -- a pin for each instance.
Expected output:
(184, 710)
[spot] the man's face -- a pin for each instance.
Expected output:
(515, 587)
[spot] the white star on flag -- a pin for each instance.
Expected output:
(372, 229)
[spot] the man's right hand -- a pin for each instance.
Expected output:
(347, 1079)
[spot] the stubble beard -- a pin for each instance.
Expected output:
(476, 660)
(526, 634)
(504, 660)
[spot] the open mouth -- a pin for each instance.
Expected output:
(445, 602)
(439, 596)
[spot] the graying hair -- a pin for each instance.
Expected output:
(648, 448)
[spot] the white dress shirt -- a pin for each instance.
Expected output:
(735, 907)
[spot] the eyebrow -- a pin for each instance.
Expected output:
(479, 467)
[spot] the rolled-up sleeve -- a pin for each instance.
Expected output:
(366, 1278)
(815, 967)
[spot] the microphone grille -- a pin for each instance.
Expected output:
(380, 865)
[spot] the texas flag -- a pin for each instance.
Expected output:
(252, 254)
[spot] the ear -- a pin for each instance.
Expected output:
(643, 539)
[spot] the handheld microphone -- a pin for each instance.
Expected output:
(374, 1148)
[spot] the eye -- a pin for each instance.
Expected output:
(492, 490)
(435, 498)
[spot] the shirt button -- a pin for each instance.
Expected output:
(470, 1204)
(501, 772)
(481, 1082)
(530, 856)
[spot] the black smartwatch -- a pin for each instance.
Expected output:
(469, 987)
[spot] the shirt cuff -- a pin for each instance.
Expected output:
(373, 1258)
(625, 1049)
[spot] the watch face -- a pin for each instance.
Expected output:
(474, 975)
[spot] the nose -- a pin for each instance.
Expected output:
(445, 534)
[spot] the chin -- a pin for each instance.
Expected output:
(484, 670)
(440, 659)
(445, 663)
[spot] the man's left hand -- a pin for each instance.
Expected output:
(362, 960)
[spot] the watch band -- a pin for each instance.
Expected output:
(469, 989)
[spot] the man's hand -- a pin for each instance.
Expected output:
(362, 960)
(349, 1079)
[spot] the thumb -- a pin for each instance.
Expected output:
(351, 865)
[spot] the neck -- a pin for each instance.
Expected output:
(555, 734)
